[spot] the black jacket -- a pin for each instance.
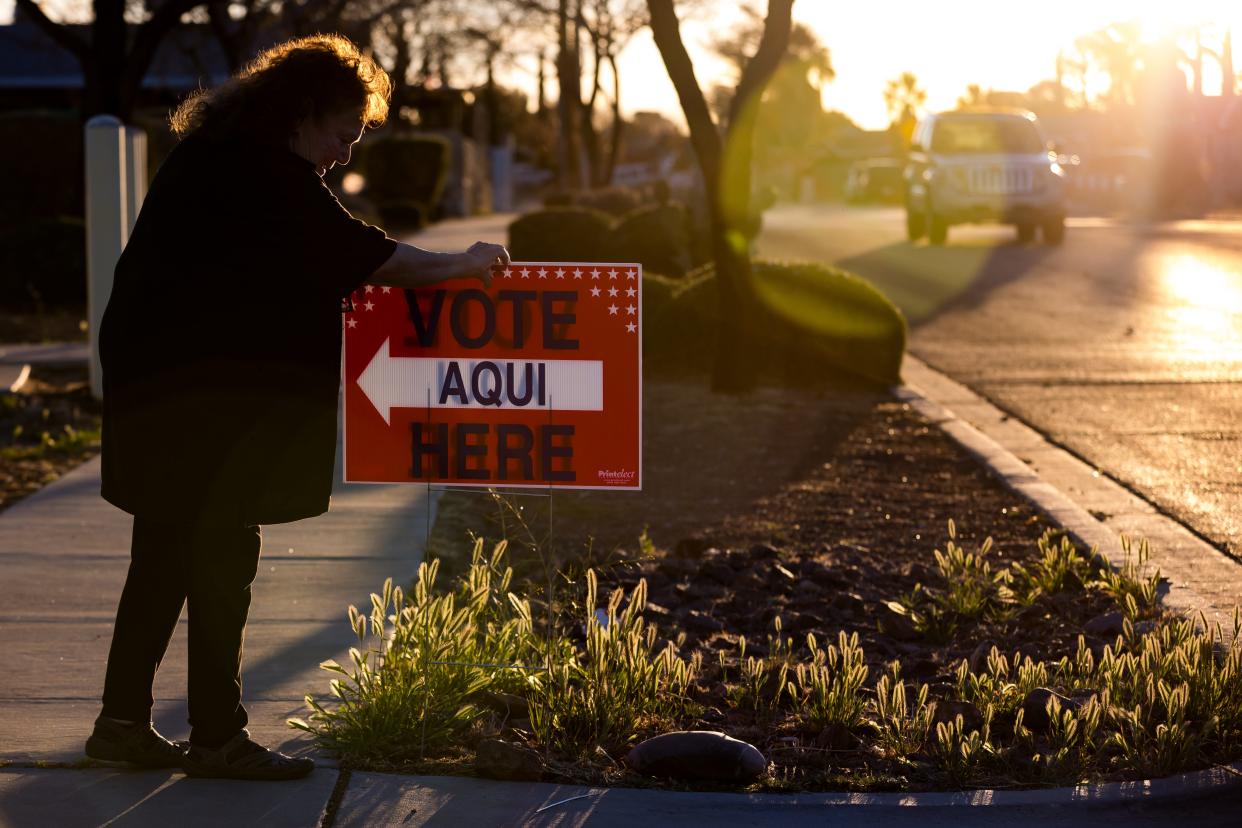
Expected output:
(221, 341)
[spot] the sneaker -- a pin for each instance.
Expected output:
(138, 743)
(241, 758)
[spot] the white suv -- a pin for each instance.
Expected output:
(977, 165)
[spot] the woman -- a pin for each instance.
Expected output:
(220, 348)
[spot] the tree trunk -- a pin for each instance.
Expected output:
(725, 166)
(618, 125)
(568, 101)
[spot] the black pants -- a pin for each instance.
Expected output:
(169, 564)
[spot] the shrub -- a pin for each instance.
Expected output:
(657, 237)
(615, 201)
(560, 234)
(406, 175)
(43, 264)
(811, 320)
(822, 316)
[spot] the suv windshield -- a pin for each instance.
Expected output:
(964, 136)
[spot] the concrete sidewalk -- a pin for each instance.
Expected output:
(64, 553)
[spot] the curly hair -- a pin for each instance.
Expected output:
(308, 77)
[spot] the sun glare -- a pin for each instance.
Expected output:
(1207, 306)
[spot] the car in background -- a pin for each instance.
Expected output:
(875, 181)
(983, 165)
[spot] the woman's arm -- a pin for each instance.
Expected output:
(411, 267)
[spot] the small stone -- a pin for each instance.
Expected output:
(718, 571)
(807, 589)
(692, 547)
(701, 623)
(698, 754)
(978, 660)
(897, 625)
(764, 551)
(947, 711)
(1035, 708)
(506, 704)
(1110, 623)
(498, 759)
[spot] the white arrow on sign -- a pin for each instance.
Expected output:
(414, 382)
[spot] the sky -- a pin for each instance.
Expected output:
(948, 45)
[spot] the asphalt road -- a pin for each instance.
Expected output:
(1124, 345)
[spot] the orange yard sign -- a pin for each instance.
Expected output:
(534, 382)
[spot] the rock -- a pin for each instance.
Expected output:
(764, 552)
(498, 759)
(835, 737)
(1035, 708)
(656, 610)
(701, 623)
(978, 660)
(1110, 623)
(692, 547)
(848, 602)
(947, 711)
(506, 704)
(896, 625)
(698, 754)
(807, 589)
(718, 571)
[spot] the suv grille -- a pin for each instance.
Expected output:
(999, 180)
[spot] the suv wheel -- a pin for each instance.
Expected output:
(1026, 232)
(937, 229)
(916, 225)
(1054, 230)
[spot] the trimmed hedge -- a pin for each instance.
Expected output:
(811, 322)
(43, 263)
(406, 175)
(658, 237)
(560, 234)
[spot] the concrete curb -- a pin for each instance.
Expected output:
(1200, 578)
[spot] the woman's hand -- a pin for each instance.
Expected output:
(483, 257)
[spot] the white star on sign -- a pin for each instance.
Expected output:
(508, 272)
(560, 273)
(386, 290)
(595, 274)
(370, 288)
(543, 273)
(369, 305)
(631, 291)
(612, 309)
(612, 274)
(612, 291)
(353, 323)
(631, 276)
(630, 309)
(631, 327)
(578, 273)
(595, 291)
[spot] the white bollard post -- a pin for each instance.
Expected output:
(107, 223)
(135, 174)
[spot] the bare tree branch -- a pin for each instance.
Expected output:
(65, 38)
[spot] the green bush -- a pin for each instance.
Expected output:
(41, 166)
(658, 237)
(560, 234)
(43, 264)
(810, 320)
(615, 201)
(406, 175)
